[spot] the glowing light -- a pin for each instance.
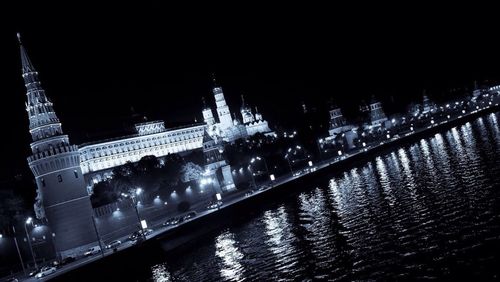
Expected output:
(339, 152)
(218, 196)
(272, 177)
(310, 163)
(138, 191)
(388, 136)
(29, 220)
(364, 144)
(144, 224)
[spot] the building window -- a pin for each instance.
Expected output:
(76, 173)
(59, 178)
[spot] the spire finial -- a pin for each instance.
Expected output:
(25, 61)
(214, 80)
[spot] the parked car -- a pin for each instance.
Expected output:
(92, 251)
(47, 270)
(171, 221)
(34, 272)
(113, 244)
(65, 261)
(214, 205)
(189, 215)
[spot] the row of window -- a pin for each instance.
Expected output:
(59, 178)
(133, 148)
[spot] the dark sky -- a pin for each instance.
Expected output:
(96, 61)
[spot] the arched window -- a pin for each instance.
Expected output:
(59, 178)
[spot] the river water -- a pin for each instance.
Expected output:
(427, 210)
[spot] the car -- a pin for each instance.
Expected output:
(34, 272)
(134, 235)
(64, 261)
(113, 244)
(171, 221)
(189, 215)
(214, 205)
(92, 251)
(46, 270)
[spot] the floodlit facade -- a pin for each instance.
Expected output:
(227, 128)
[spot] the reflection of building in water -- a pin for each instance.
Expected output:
(227, 128)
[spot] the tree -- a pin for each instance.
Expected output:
(148, 164)
(191, 171)
(103, 194)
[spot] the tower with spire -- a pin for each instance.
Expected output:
(208, 115)
(225, 118)
(62, 199)
(246, 111)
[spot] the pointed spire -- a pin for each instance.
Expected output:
(214, 80)
(27, 66)
(204, 103)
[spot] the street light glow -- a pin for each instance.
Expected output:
(29, 220)
(138, 191)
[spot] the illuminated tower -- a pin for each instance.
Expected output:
(246, 112)
(216, 166)
(222, 109)
(208, 115)
(62, 197)
(377, 115)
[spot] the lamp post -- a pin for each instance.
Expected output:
(253, 176)
(28, 221)
(289, 164)
(132, 194)
(18, 251)
(98, 236)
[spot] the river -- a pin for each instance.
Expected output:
(426, 210)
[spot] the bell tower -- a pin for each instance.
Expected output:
(62, 198)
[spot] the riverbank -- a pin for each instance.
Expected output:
(234, 211)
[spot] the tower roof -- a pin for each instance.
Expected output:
(205, 106)
(25, 60)
(207, 137)
(243, 104)
(214, 80)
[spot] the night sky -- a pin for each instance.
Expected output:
(97, 62)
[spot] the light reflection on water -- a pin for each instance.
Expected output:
(427, 210)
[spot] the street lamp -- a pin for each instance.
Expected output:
(29, 221)
(132, 194)
(98, 236)
(17, 248)
(289, 164)
(253, 176)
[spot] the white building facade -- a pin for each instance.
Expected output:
(229, 129)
